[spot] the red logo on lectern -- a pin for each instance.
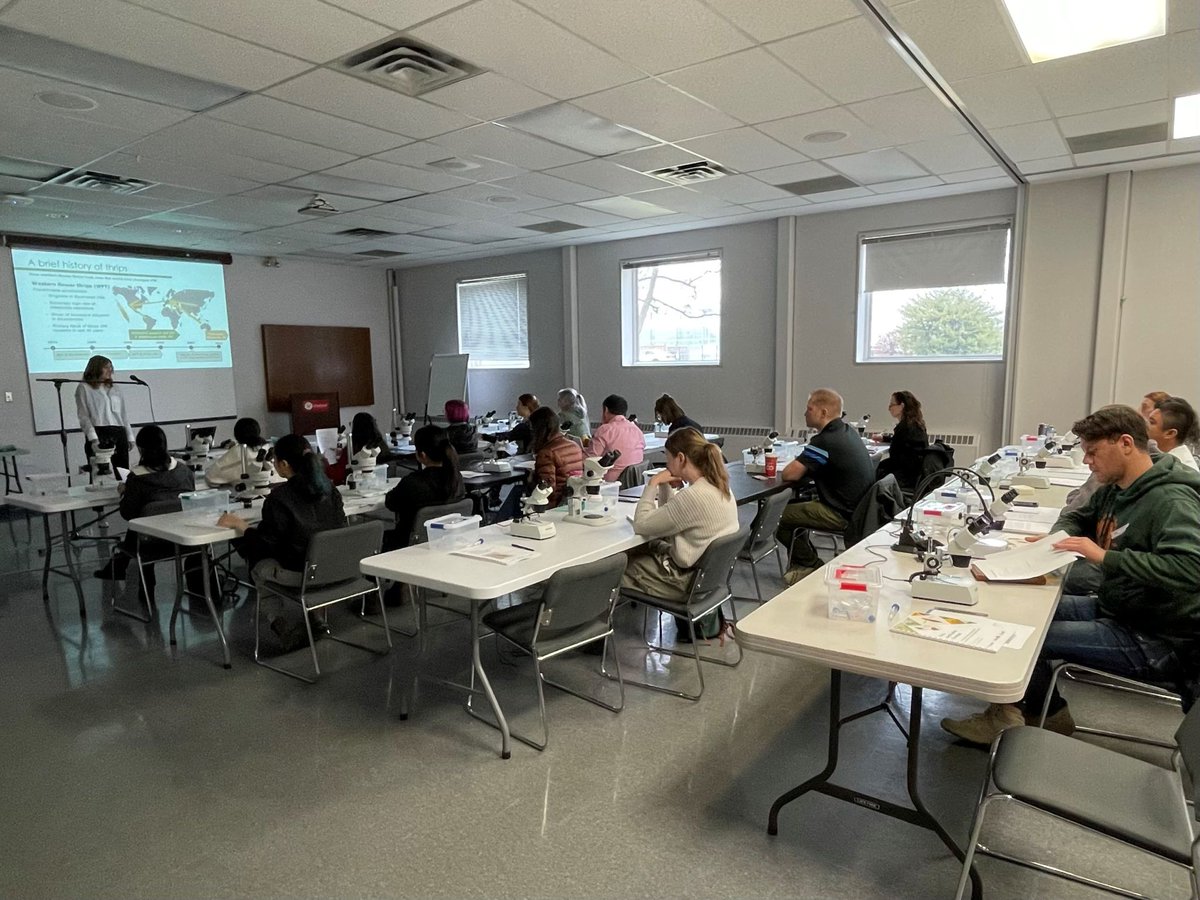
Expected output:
(308, 406)
(316, 406)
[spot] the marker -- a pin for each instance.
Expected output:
(519, 547)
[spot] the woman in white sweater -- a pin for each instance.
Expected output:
(682, 524)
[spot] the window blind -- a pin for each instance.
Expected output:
(493, 322)
(976, 254)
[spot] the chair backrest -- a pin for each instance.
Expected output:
(161, 507)
(1187, 738)
(580, 594)
(631, 476)
(766, 520)
(333, 555)
(425, 513)
(882, 501)
(938, 455)
(716, 563)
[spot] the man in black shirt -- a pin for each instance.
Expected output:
(838, 463)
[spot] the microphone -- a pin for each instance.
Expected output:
(137, 380)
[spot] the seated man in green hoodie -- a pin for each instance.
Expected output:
(1142, 529)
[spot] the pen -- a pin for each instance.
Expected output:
(519, 547)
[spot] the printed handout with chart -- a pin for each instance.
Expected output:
(1026, 560)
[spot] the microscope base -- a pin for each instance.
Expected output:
(946, 589)
(593, 519)
(536, 531)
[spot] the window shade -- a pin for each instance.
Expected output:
(973, 255)
(493, 324)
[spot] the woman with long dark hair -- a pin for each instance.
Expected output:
(671, 414)
(291, 515)
(520, 433)
(100, 407)
(909, 440)
(438, 481)
(158, 476)
(681, 524)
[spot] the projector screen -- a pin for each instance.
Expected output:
(164, 320)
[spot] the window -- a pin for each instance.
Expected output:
(493, 322)
(933, 294)
(671, 310)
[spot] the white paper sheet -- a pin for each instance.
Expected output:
(964, 630)
(1026, 560)
(1031, 520)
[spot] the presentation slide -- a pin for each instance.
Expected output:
(164, 320)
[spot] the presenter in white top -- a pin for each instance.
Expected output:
(102, 414)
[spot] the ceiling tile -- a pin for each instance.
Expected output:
(606, 176)
(542, 185)
(360, 101)
(834, 196)
(578, 215)
(961, 38)
(1184, 63)
(628, 207)
(1183, 15)
(351, 187)
(1114, 76)
(397, 16)
(311, 29)
(779, 205)
(734, 84)
(294, 198)
(489, 96)
(518, 43)
(1112, 119)
(876, 166)
(9, 185)
(301, 124)
(911, 116)
(686, 200)
(652, 158)
(1033, 140)
(1054, 164)
(739, 189)
(508, 145)
(19, 90)
(906, 184)
(805, 171)
(657, 109)
(171, 151)
(377, 171)
(174, 171)
(986, 173)
(498, 198)
(859, 136)
(656, 37)
(424, 152)
(202, 135)
(58, 139)
(958, 153)
(1120, 154)
(122, 30)
(1003, 98)
(744, 149)
(769, 20)
(848, 61)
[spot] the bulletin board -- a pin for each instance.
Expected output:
(301, 359)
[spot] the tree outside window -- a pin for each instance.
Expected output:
(671, 310)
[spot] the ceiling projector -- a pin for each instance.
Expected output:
(318, 206)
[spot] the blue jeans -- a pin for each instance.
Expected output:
(1078, 634)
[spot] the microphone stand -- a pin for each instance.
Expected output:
(62, 424)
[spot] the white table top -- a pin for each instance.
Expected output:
(656, 442)
(482, 580)
(75, 499)
(199, 528)
(796, 623)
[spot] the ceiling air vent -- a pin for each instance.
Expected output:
(818, 185)
(366, 232)
(690, 173)
(405, 64)
(112, 184)
(552, 227)
(379, 254)
(1120, 137)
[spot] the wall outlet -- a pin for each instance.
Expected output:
(8, 396)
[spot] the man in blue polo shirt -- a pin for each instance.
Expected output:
(838, 463)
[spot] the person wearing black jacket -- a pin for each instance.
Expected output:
(909, 441)
(521, 434)
(671, 414)
(460, 430)
(437, 481)
(158, 476)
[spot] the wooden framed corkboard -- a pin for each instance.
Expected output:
(305, 358)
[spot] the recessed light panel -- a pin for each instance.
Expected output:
(1051, 29)
(1187, 117)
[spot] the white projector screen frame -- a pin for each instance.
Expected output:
(447, 381)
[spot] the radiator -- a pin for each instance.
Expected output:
(966, 446)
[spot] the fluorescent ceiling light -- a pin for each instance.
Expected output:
(1187, 117)
(1050, 29)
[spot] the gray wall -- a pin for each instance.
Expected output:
(297, 293)
(429, 325)
(958, 397)
(740, 391)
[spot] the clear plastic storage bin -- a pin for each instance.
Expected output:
(854, 592)
(452, 532)
(40, 485)
(204, 505)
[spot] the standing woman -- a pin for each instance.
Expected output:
(555, 455)
(671, 414)
(684, 524)
(573, 414)
(100, 407)
(437, 481)
(909, 439)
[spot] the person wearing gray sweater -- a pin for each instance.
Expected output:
(684, 523)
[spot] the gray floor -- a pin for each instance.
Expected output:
(132, 769)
